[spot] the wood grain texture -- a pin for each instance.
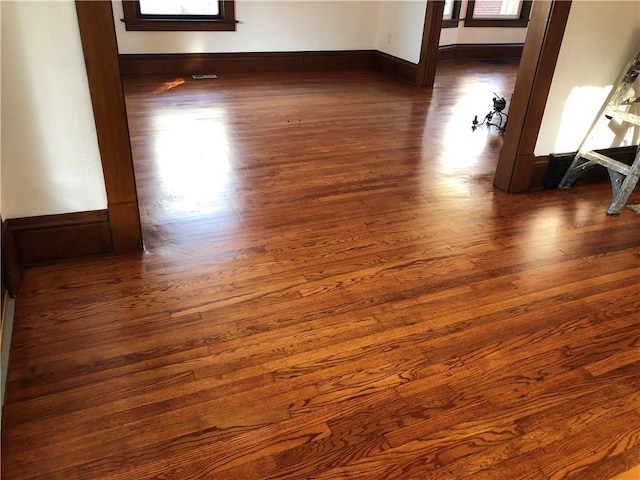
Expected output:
(539, 56)
(244, 62)
(133, 21)
(426, 71)
(332, 288)
(99, 45)
(51, 238)
(11, 265)
(395, 66)
(461, 51)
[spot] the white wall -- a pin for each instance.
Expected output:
(465, 35)
(400, 25)
(50, 158)
(267, 26)
(599, 39)
(391, 26)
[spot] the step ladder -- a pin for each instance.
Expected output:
(623, 177)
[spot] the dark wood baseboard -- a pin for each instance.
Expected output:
(539, 173)
(396, 66)
(484, 50)
(59, 237)
(11, 269)
(216, 63)
(596, 174)
(202, 63)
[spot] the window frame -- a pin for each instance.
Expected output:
(134, 20)
(520, 22)
(455, 15)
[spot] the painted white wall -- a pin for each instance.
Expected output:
(599, 39)
(267, 26)
(391, 26)
(465, 35)
(400, 25)
(50, 158)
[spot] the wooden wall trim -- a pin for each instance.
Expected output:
(484, 50)
(395, 66)
(97, 32)
(541, 165)
(11, 268)
(539, 168)
(6, 330)
(520, 22)
(11, 279)
(246, 62)
(51, 238)
(135, 22)
(539, 56)
(426, 73)
(195, 63)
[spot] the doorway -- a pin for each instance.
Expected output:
(95, 20)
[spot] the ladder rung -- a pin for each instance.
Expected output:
(605, 161)
(623, 116)
(630, 101)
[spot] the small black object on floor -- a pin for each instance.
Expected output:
(499, 104)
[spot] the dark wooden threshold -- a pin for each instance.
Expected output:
(541, 165)
(484, 50)
(49, 238)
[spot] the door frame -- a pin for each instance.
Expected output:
(537, 65)
(515, 165)
(100, 48)
(426, 72)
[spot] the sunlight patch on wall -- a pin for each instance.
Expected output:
(579, 112)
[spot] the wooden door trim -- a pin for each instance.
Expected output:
(426, 73)
(97, 32)
(537, 66)
(99, 44)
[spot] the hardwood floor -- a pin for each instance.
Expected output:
(332, 289)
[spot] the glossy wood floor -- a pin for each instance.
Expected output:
(332, 289)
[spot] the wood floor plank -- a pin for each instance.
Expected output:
(141, 406)
(36, 386)
(569, 458)
(332, 288)
(547, 432)
(47, 459)
(631, 474)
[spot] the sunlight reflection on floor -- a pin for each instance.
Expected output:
(192, 151)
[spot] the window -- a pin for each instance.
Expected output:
(451, 15)
(498, 13)
(179, 15)
(177, 8)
